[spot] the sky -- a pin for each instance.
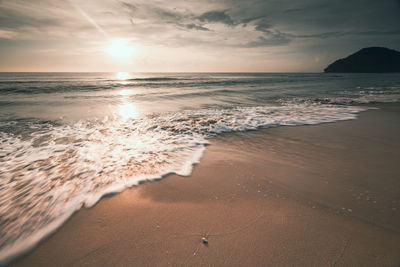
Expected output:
(191, 36)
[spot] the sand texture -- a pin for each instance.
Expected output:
(324, 195)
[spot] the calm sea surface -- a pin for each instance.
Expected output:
(66, 139)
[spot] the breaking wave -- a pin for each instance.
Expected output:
(48, 170)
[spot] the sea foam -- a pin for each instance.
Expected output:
(49, 170)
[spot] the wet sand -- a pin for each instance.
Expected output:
(324, 195)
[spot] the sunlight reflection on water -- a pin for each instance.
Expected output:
(123, 75)
(126, 92)
(127, 111)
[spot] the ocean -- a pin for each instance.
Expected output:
(67, 139)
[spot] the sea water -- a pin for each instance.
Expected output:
(67, 139)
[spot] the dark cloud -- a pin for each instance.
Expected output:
(247, 20)
(280, 23)
(263, 25)
(270, 38)
(11, 19)
(262, 42)
(153, 13)
(193, 26)
(307, 28)
(325, 35)
(131, 7)
(217, 16)
(292, 10)
(376, 33)
(168, 14)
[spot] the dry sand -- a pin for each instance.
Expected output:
(325, 195)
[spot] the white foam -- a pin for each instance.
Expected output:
(45, 178)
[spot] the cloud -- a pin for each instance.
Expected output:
(217, 16)
(4, 34)
(263, 25)
(193, 26)
(131, 7)
(323, 35)
(272, 39)
(152, 13)
(304, 28)
(167, 14)
(247, 20)
(376, 33)
(12, 19)
(326, 35)
(293, 10)
(280, 24)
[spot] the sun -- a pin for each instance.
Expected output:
(119, 49)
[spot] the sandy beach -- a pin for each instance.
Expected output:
(199, 133)
(323, 195)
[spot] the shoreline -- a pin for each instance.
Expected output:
(248, 188)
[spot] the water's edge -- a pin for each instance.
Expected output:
(22, 248)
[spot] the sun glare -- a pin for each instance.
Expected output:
(126, 92)
(128, 111)
(119, 49)
(123, 75)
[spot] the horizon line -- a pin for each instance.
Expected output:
(161, 71)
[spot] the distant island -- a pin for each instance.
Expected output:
(368, 60)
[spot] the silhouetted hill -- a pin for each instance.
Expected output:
(371, 59)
